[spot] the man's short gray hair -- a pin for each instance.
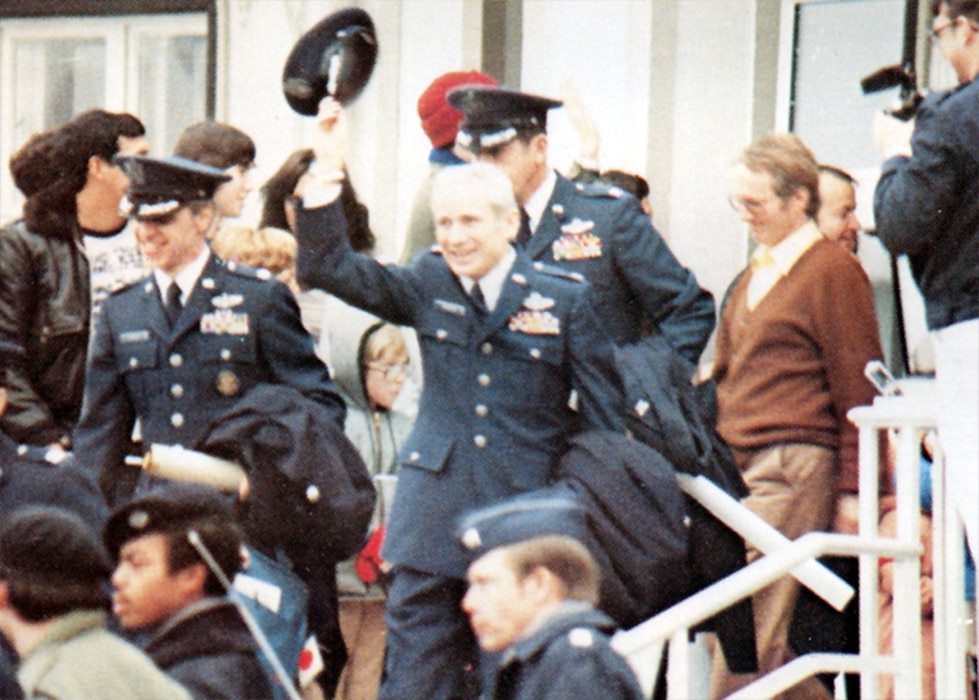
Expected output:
(484, 178)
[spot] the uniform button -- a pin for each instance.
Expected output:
(312, 493)
(414, 457)
(535, 353)
(481, 411)
(176, 391)
(22, 450)
(225, 354)
(177, 420)
(441, 334)
(480, 440)
(133, 363)
(483, 379)
(486, 348)
(176, 360)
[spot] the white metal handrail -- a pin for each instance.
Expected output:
(908, 418)
(702, 605)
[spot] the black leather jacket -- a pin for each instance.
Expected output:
(45, 306)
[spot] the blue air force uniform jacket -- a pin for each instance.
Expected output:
(239, 328)
(494, 413)
(569, 656)
(601, 233)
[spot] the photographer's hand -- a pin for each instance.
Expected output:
(892, 136)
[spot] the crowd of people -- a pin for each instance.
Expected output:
(138, 311)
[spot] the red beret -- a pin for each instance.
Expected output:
(440, 120)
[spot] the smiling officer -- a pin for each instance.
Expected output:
(504, 343)
(179, 348)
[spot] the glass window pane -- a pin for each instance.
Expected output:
(174, 68)
(56, 80)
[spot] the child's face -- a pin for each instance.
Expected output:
(385, 377)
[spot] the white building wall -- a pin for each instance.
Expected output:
(605, 47)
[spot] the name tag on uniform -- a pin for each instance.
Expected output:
(577, 242)
(450, 307)
(134, 336)
(225, 321)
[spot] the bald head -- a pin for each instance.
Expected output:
(836, 217)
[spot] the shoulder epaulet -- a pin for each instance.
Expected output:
(259, 273)
(129, 285)
(599, 190)
(554, 271)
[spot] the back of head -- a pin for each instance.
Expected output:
(790, 163)
(958, 8)
(565, 557)
(485, 178)
(174, 510)
(216, 144)
(280, 187)
(268, 247)
(52, 562)
(440, 120)
(635, 185)
(35, 166)
(54, 166)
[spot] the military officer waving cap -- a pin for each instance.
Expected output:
(597, 231)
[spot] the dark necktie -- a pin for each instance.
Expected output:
(173, 306)
(524, 234)
(479, 301)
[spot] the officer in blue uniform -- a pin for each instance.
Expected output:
(597, 231)
(178, 363)
(533, 585)
(504, 342)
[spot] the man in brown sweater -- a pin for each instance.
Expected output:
(795, 333)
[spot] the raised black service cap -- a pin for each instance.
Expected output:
(335, 57)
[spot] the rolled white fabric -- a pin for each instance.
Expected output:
(180, 464)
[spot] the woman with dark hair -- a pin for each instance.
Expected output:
(73, 192)
(278, 204)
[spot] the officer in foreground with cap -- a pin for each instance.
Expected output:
(164, 588)
(181, 347)
(53, 602)
(595, 230)
(532, 590)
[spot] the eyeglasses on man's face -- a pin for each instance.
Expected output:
(750, 206)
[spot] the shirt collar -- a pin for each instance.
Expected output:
(491, 284)
(187, 277)
(787, 252)
(537, 203)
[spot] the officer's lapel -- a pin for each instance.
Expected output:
(512, 295)
(549, 227)
(199, 301)
(153, 311)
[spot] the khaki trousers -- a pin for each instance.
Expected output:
(792, 488)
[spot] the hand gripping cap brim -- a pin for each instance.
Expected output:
(336, 57)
